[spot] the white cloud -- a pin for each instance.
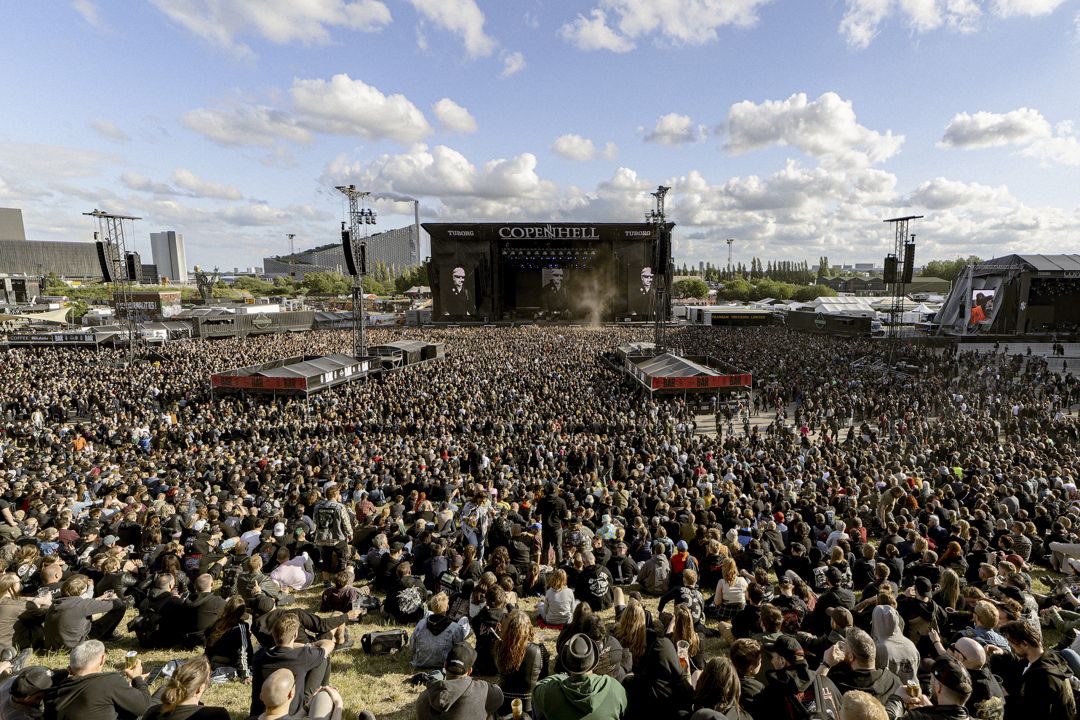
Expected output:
(352, 107)
(1025, 127)
(987, 129)
(108, 129)
(460, 17)
(245, 125)
(593, 33)
(200, 188)
(575, 147)
(670, 21)
(675, 129)
(184, 184)
(1025, 8)
(864, 18)
(453, 117)
(942, 193)
(1059, 150)
(222, 22)
(513, 63)
(825, 128)
(90, 13)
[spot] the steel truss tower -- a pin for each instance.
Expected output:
(111, 233)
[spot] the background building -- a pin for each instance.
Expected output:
(68, 260)
(11, 224)
(167, 247)
(398, 249)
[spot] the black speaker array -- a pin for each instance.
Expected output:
(103, 262)
(134, 268)
(346, 246)
(909, 263)
(890, 269)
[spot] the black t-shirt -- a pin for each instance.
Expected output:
(298, 660)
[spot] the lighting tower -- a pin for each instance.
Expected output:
(359, 219)
(661, 268)
(111, 232)
(900, 250)
(730, 242)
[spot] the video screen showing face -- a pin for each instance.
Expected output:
(982, 305)
(641, 291)
(457, 285)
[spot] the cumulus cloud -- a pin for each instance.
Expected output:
(460, 17)
(1059, 150)
(108, 129)
(675, 129)
(453, 117)
(1025, 128)
(941, 193)
(346, 106)
(679, 23)
(513, 63)
(593, 33)
(222, 22)
(575, 147)
(864, 19)
(245, 125)
(825, 128)
(183, 183)
(1025, 8)
(987, 129)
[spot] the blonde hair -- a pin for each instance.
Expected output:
(556, 580)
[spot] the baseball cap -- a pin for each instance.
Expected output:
(461, 659)
(681, 545)
(841, 616)
(948, 671)
(788, 648)
(279, 529)
(109, 540)
(923, 586)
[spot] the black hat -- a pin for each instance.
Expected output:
(579, 654)
(923, 586)
(949, 672)
(788, 648)
(32, 680)
(461, 659)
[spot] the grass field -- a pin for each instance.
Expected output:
(375, 683)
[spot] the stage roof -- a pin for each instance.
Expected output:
(1039, 263)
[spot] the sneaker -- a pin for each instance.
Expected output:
(21, 659)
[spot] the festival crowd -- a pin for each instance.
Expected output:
(847, 543)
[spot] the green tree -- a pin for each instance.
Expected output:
(806, 293)
(949, 269)
(326, 283)
(737, 289)
(690, 287)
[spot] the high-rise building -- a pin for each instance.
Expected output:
(167, 247)
(11, 224)
(398, 249)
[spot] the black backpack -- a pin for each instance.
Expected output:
(383, 642)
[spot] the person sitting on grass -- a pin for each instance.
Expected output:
(279, 690)
(182, 695)
(458, 696)
(436, 634)
(89, 692)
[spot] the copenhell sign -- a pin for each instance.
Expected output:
(703, 381)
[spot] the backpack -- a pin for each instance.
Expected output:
(328, 527)
(383, 642)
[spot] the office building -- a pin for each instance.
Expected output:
(167, 247)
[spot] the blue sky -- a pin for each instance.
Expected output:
(793, 126)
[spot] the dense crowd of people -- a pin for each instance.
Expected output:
(847, 543)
